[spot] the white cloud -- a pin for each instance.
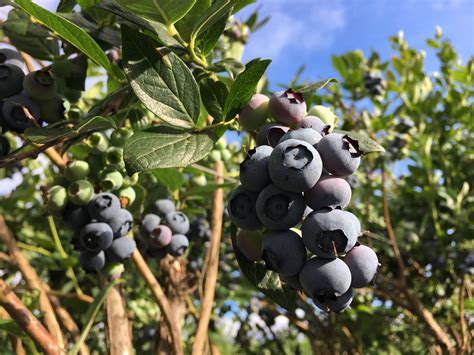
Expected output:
(440, 5)
(301, 25)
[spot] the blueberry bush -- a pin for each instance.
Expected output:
(157, 197)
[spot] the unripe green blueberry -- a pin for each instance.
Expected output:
(120, 136)
(52, 110)
(326, 114)
(96, 163)
(254, 114)
(4, 146)
(221, 144)
(77, 170)
(215, 155)
(57, 198)
(40, 85)
(112, 181)
(114, 156)
(11, 80)
(98, 142)
(199, 180)
(127, 196)
(80, 192)
(226, 155)
(10, 56)
(113, 269)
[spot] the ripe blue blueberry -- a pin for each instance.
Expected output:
(254, 174)
(329, 233)
(178, 222)
(330, 191)
(103, 206)
(283, 252)
(164, 206)
(40, 85)
(295, 165)
(121, 223)
(270, 134)
(335, 304)
(92, 262)
(10, 56)
(53, 110)
(11, 80)
(121, 249)
(179, 244)
(363, 263)
(20, 112)
(287, 107)
(316, 124)
(96, 236)
(303, 134)
(325, 278)
(340, 154)
(279, 209)
(75, 217)
(241, 209)
(4, 146)
(149, 223)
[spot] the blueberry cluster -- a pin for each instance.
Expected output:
(374, 83)
(297, 174)
(26, 100)
(165, 230)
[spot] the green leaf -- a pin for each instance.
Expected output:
(244, 86)
(433, 43)
(165, 147)
(186, 24)
(208, 39)
(165, 11)
(240, 4)
(171, 178)
(214, 94)
(266, 281)
(11, 327)
(30, 37)
(94, 309)
(161, 80)
(213, 14)
(66, 5)
(340, 65)
(366, 144)
(158, 30)
(68, 31)
(310, 90)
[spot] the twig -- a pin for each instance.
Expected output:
(33, 281)
(160, 298)
(213, 172)
(81, 297)
(211, 277)
(462, 320)
(27, 321)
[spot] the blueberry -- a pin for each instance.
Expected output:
(40, 85)
(292, 281)
(254, 113)
(150, 222)
(156, 253)
(178, 222)
(80, 192)
(103, 206)
(120, 136)
(270, 134)
(97, 142)
(325, 278)
(330, 191)
(57, 198)
(75, 217)
(121, 223)
(10, 56)
(283, 252)
(363, 263)
(295, 165)
(11, 80)
(114, 156)
(254, 174)
(20, 112)
(127, 195)
(112, 181)
(4, 146)
(199, 228)
(250, 244)
(179, 244)
(241, 209)
(303, 134)
(96, 236)
(287, 107)
(77, 170)
(335, 304)
(325, 114)
(92, 262)
(121, 249)
(316, 124)
(279, 209)
(340, 154)
(53, 110)
(329, 233)
(164, 206)
(160, 236)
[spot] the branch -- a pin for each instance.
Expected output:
(33, 281)
(213, 251)
(462, 320)
(27, 321)
(160, 298)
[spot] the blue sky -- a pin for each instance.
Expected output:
(310, 31)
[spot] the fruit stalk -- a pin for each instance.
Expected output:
(213, 263)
